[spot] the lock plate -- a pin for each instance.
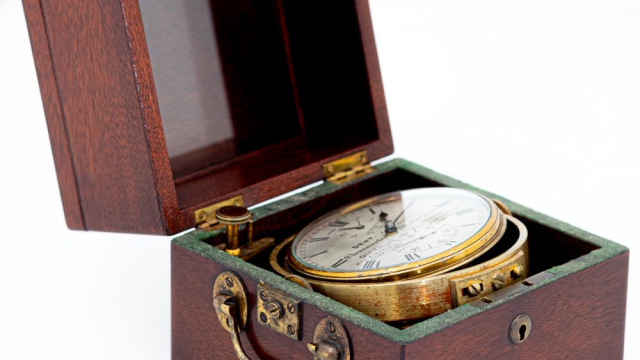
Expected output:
(279, 312)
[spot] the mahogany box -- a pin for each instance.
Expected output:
(160, 109)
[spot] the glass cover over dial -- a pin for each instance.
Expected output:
(393, 230)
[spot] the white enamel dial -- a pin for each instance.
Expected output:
(392, 230)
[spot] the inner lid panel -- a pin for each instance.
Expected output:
(252, 89)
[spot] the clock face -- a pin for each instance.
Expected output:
(392, 230)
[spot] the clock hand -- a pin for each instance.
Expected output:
(394, 221)
(359, 227)
(353, 228)
(403, 210)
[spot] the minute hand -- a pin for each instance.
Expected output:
(402, 213)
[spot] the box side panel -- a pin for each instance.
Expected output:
(102, 115)
(581, 316)
(55, 122)
(197, 334)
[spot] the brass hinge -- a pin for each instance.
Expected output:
(206, 217)
(347, 168)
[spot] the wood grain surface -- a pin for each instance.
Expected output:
(581, 316)
(55, 121)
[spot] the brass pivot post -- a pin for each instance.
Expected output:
(233, 217)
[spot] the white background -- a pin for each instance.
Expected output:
(553, 86)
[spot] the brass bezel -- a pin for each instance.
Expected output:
(457, 256)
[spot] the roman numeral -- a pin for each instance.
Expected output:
(319, 239)
(444, 203)
(371, 264)
(412, 257)
(373, 212)
(320, 253)
(463, 211)
(339, 263)
(338, 223)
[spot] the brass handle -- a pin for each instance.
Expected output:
(231, 305)
(325, 350)
(226, 306)
(330, 341)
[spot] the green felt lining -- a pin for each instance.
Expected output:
(193, 242)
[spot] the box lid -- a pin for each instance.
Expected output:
(160, 108)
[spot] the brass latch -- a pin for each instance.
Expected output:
(347, 168)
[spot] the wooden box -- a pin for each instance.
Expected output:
(159, 109)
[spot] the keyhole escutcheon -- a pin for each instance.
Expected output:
(520, 329)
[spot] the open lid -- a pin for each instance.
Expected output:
(213, 99)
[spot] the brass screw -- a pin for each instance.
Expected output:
(498, 281)
(331, 327)
(474, 289)
(517, 272)
(263, 295)
(291, 308)
(229, 281)
(291, 330)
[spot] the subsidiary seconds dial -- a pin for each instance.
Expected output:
(397, 232)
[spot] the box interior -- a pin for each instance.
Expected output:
(555, 247)
(247, 84)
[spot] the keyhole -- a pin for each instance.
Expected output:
(523, 332)
(520, 329)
